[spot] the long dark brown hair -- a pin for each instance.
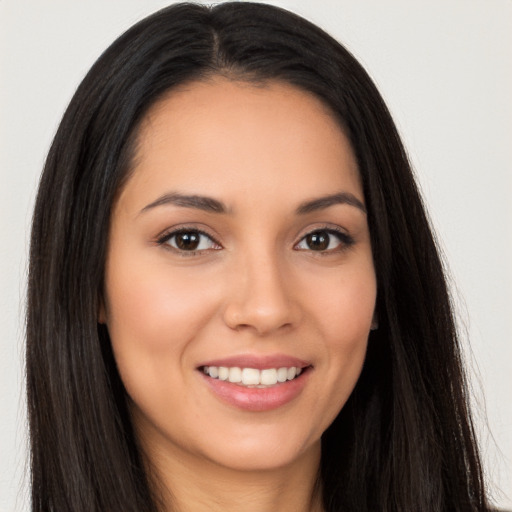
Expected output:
(403, 442)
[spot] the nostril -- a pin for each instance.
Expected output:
(263, 319)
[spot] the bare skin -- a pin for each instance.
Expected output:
(239, 244)
(208, 487)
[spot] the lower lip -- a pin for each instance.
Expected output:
(258, 399)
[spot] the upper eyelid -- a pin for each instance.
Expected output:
(344, 237)
(332, 228)
(163, 241)
(170, 232)
(175, 230)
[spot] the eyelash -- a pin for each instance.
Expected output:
(165, 238)
(345, 241)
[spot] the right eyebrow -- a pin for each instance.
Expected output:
(205, 203)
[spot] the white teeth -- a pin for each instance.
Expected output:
(235, 375)
(268, 377)
(223, 373)
(282, 374)
(251, 376)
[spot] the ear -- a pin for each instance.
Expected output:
(375, 322)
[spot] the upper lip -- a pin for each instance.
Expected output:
(259, 362)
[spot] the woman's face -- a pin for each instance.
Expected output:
(239, 249)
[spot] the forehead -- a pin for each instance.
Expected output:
(219, 135)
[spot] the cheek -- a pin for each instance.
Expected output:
(153, 313)
(343, 309)
(153, 316)
(344, 306)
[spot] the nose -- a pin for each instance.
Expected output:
(261, 297)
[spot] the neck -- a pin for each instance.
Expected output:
(187, 484)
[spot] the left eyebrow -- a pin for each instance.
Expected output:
(326, 201)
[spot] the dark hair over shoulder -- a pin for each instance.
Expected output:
(403, 442)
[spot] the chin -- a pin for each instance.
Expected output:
(263, 451)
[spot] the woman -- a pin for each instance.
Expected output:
(235, 298)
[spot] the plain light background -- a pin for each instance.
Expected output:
(445, 69)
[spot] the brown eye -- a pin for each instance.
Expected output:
(189, 241)
(325, 240)
(318, 241)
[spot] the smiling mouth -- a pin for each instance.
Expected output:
(252, 377)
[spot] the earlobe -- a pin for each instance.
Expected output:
(375, 322)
